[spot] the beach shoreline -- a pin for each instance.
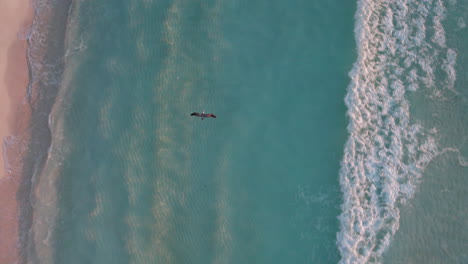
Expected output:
(15, 21)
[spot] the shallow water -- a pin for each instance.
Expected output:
(138, 180)
(332, 134)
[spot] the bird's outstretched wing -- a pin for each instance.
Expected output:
(211, 115)
(195, 114)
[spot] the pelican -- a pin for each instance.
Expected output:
(202, 115)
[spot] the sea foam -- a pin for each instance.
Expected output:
(401, 45)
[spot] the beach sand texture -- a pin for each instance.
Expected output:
(15, 20)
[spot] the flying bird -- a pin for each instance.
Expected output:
(202, 115)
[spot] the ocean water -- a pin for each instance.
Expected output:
(340, 137)
(407, 105)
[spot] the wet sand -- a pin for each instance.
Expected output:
(15, 20)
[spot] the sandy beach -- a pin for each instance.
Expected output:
(15, 20)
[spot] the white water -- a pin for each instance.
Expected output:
(401, 49)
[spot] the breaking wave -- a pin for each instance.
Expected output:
(401, 49)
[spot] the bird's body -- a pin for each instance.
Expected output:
(202, 115)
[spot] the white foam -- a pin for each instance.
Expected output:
(449, 67)
(462, 161)
(439, 33)
(400, 43)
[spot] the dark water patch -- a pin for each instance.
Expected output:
(289, 73)
(45, 48)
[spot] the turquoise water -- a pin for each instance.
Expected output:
(140, 181)
(335, 122)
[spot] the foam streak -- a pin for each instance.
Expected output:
(401, 44)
